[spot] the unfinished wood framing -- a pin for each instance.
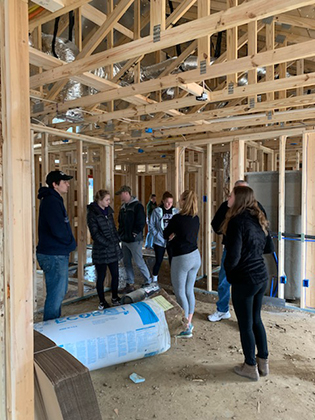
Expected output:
(165, 116)
(16, 386)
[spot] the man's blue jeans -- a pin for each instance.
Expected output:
(55, 268)
(223, 288)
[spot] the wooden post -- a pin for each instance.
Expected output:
(252, 50)
(231, 45)
(307, 222)
(281, 214)
(157, 14)
(16, 280)
(209, 217)
(81, 218)
(237, 165)
(270, 45)
(203, 43)
(45, 161)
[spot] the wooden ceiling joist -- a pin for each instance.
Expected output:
(240, 15)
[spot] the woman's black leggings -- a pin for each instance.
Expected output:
(101, 272)
(159, 254)
(247, 302)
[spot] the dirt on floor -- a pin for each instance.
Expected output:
(194, 379)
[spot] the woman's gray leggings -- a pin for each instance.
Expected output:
(184, 270)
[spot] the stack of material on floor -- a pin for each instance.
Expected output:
(63, 386)
(174, 314)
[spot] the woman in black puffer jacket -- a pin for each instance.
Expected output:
(106, 250)
(246, 230)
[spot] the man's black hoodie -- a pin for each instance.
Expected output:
(54, 231)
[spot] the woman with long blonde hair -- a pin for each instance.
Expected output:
(246, 230)
(182, 232)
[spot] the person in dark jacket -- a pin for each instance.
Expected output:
(106, 251)
(224, 286)
(55, 241)
(182, 232)
(131, 221)
(246, 231)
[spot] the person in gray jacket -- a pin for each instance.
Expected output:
(159, 220)
(131, 222)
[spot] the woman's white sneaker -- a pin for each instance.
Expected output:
(217, 316)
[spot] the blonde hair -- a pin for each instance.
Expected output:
(245, 200)
(100, 195)
(190, 203)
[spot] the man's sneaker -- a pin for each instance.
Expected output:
(116, 301)
(217, 316)
(127, 289)
(103, 305)
(186, 333)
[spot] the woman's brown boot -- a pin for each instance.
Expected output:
(248, 371)
(263, 366)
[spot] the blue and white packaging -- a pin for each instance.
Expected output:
(112, 336)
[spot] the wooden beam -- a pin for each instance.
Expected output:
(157, 15)
(81, 218)
(252, 51)
(179, 12)
(47, 16)
(237, 161)
(204, 42)
(209, 217)
(17, 393)
(68, 135)
(51, 5)
(95, 40)
(281, 216)
(98, 17)
(240, 15)
(231, 45)
(242, 64)
(270, 45)
(307, 222)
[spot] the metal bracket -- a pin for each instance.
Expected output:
(269, 115)
(231, 88)
(203, 67)
(38, 107)
(252, 103)
(157, 33)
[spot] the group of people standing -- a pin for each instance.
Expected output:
(241, 220)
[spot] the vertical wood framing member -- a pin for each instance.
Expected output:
(270, 45)
(231, 45)
(209, 217)
(203, 43)
(307, 222)
(81, 219)
(281, 214)
(45, 157)
(157, 14)
(237, 161)
(179, 171)
(17, 393)
(252, 50)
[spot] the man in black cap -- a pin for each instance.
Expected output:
(131, 221)
(55, 241)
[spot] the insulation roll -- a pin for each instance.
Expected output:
(112, 336)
